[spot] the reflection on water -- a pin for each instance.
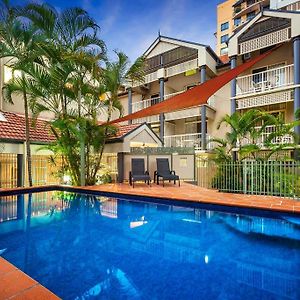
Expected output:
(90, 247)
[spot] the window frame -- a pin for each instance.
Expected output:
(226, 24)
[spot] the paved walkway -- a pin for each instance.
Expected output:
(14, 284)
(191, 192)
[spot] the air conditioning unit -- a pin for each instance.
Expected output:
(247, 56)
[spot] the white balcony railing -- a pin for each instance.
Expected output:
(183, 113)
(265, 99)
(181, 68)
(280, 140)
(268, 80)
(265, 41)
(148, 78)
(186, 140)
(136, 106)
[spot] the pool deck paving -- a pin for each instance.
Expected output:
(14, 284)
(190, 192)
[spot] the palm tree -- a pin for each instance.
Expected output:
(72, 43)
(244, 135)
(117, 74)
(17, 45)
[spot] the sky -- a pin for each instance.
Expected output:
(132, 25)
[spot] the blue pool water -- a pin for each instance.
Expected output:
(95, 247)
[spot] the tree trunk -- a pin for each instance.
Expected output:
(82, 146)
(109, 114)
(27, 139)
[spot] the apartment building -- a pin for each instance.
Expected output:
(225, 26)
(232, 15)
(173, 67)
(273, 84)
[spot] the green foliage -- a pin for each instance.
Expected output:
(65, 72)
(259, 177)
(253, 173)
(245, 136)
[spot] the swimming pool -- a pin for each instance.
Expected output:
(98, 247)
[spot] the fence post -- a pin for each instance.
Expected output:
(245, 177)
(20, 170)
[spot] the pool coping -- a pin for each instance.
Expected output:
(253, 209)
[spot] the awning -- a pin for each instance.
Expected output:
(195, 96)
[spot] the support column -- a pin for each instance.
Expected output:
(203, 111)
(203, 127)
(233, 64)
(161, 116)
(129, 103)
(296, 48)
(120, 165)
(296, 44)
(202, 74)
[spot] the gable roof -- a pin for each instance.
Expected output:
(13, 129)
(265, 13)
(124, 130)
(180, 42)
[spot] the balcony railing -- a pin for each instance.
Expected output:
(148, 78)
(280, 140)
(136, 106)
(265, 99)
(265, 41)
(181, 68)
(185, 140)
(265, 81)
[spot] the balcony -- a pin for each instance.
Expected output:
(247, 8)
(281, 140)
(182, 67)
(266, 81)
(192, 140)
(264, 41)
(266, 99)
(180, 114)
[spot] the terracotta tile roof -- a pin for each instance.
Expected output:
(124, 129)
(224, 58)
(14, 129)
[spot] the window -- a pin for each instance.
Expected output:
(250, 15)
(224, 26)
(237, 21)
(224, 51)
(224, 38)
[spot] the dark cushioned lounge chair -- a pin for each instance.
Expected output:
(164, 172)
(138, 172)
